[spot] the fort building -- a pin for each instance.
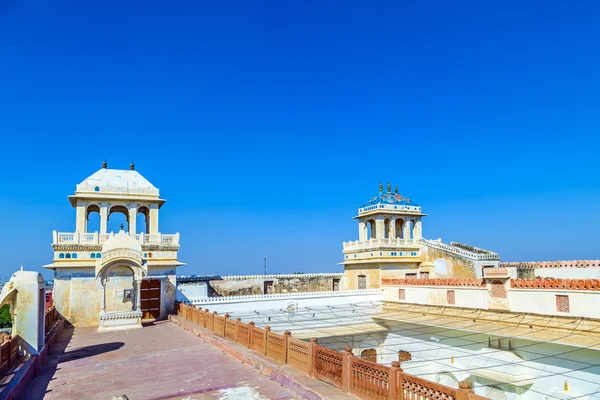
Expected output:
(115, 280)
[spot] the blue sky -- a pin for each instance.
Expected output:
(267, 124)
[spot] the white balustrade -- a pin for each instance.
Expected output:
(381, 243)
(98, 239)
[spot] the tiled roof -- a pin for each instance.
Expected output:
(389, 198)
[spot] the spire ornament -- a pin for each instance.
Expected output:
(104, 164)
(380, 186)
(132, 166)
(389, 187)
(396, 189)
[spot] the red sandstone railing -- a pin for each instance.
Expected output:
(242, 333)
(331, 366)
(552, 283)
(300, 354)
(472, 282)
(50, 318)
(258, 338)
(230, 328)
(277, 346)
(364, 379)
(219, 325)
(9, 350)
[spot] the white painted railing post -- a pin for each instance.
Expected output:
(96, 239)
(54, 237)
(76, 237)
(142, 237)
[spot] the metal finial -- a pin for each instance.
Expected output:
(121, 226)
(396, 189)
(104, 164)
(389, 187)
(380, 187)
(132, 166)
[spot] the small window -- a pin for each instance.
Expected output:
(68, 255)
(362, 282)
(98, 255)
(401, 294)
(150, 255)
(74, 255)
(96, 189)
(61, 255)
(93, 255)
(562, 303)
(424, 275)
(410, 276)
(336, 284)
(450, 297)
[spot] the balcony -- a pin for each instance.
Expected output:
(79, 238)
(385, 243)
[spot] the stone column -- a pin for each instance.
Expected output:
(418, 229)
(153, 219)
(132, 218)
(407, 229)
(80, 224)
(138, 295)
(362, 231)
(103, 217)
(380, 227)
(392, 228)
(103, 299)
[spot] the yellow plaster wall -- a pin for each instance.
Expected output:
(371, 271)
(458, 267)
(85, 301)
(121, 279)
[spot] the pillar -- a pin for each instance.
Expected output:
(406, 229)
(362, 231)
(138, 294)
(418, 229)
(80, 224)
(392, 228)
(132, 218)
(103, 217)
(153, 219)
(380, 227)
(103, 299)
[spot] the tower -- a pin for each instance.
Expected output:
(131, 273)
(388, 245)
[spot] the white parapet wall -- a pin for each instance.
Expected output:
(237, 304)
(581, 303)
(465, 296)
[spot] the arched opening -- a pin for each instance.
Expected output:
(116, 216)
(400, 228)
(369, 355)
(92, 218)
(387, 227)
(412, 228)
(120, 289)
(371, 230)
(143, 220)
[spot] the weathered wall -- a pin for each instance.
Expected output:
(255, 286)
(120, 280)
(448, 264)
(78, 294)
(371, 271)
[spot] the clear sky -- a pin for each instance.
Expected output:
(267, 124)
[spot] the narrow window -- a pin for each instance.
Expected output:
(410, 275)
(362, 282)
(336, 284)
(401, 294)
(268, 287)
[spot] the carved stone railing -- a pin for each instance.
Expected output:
(383, 243)
(471, 282)
(364, 379)
(276, 296)
(483, 255)
(81, 238)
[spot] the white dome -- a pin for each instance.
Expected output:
(122, 241)
(117, 181)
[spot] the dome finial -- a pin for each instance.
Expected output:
(380, 187)
(396, 189)
(389, 187)
(132, 166)
(104, 164)
(121, 226)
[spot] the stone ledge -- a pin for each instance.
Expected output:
(296, 381)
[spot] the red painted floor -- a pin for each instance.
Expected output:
(161, 361)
